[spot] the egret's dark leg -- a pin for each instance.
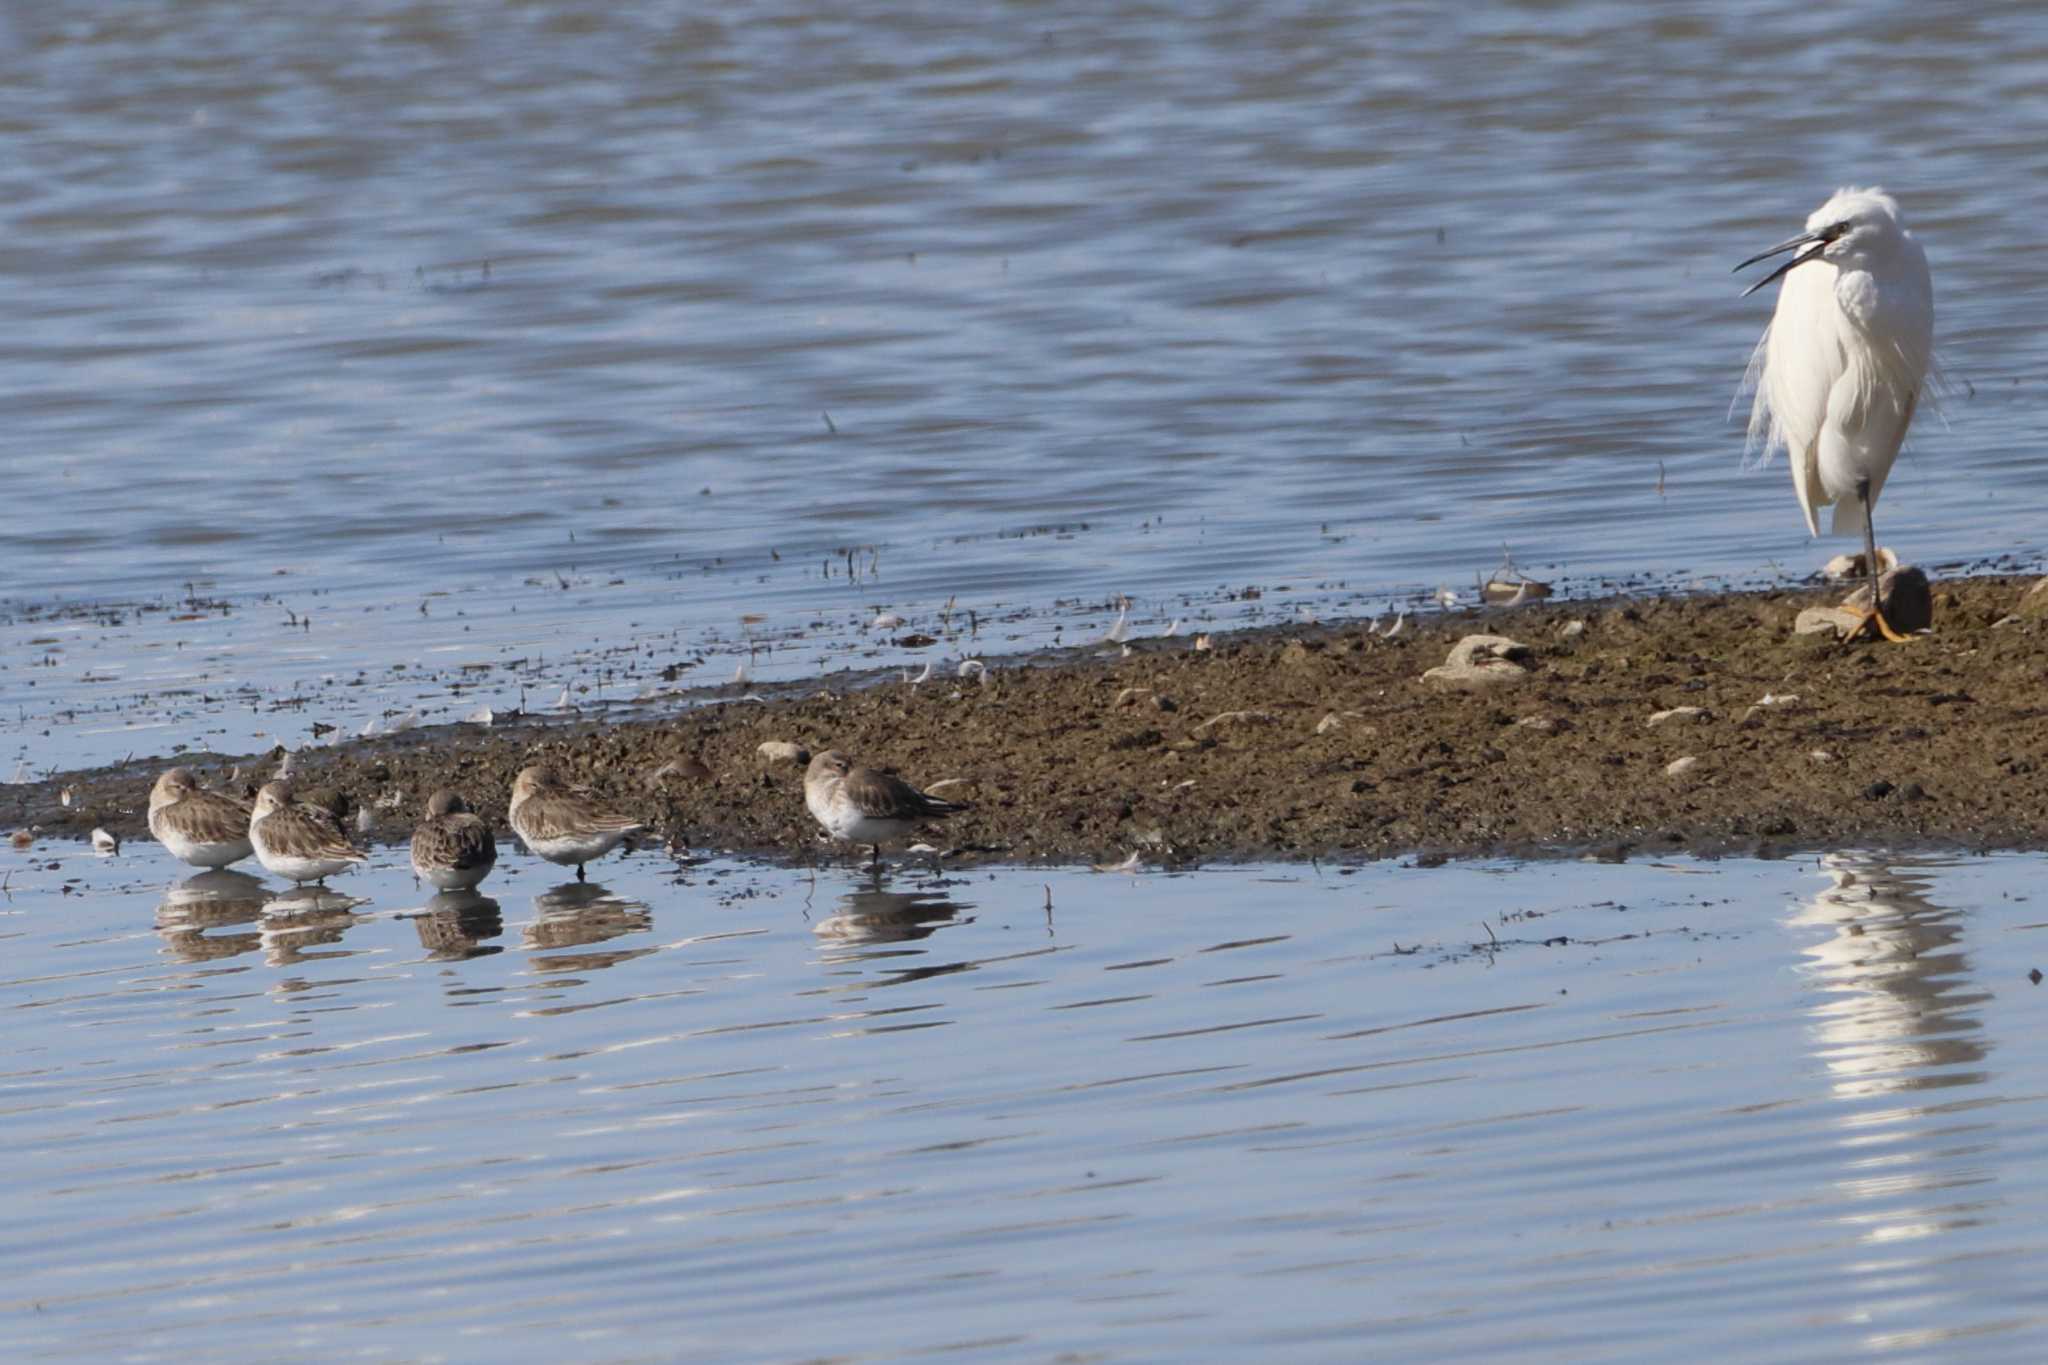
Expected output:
(579, 872)
(1884, 627)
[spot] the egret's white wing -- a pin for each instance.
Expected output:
(1887, 333)
(1803, 359)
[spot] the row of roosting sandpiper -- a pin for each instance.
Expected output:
(453, 848)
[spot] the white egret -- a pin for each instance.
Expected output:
(1839, 370)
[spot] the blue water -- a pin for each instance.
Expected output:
(1759, 1110)
(1044, 307)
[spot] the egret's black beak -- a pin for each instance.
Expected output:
(1817, 240)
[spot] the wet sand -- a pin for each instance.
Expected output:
(1309, 742)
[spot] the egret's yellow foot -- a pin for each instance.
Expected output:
(1884, 627)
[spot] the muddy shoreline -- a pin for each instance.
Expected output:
(1319, 742)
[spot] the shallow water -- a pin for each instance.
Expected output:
(1765, 1110)
(1039, 307)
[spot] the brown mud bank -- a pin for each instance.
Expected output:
(1324, 741)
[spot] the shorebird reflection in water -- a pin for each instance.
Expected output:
(579, 913)
(872, 915)
(453, 925)
(208, 901)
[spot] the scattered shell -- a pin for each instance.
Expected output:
(685, 770)
(1698, 713)
(1400, 620)
(1173, 629)
(1826, 621)
(2034, 601)
(1779, 699)
(1202, 642)
(1541, 724)
(1329, 723)
(946, 782)
(1130, 864)
(1571, 630)
(1505, 592)
(782, 751)
(1446, 597)
(1131, 695)
(104, 844)
(483, 715)
(1679, 767)
(1851, 566)
(1237, 718)
(65, 798)
(1820, 756)
(1483, 661)
(888, 620)
(365, 822)
(739, 677)
(923, 677)
(972, 666)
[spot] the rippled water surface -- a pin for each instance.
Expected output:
(1578, 1111)
(618, 324)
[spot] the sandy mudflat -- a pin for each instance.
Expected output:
(1184, 754)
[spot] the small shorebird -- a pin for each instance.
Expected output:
(299, 842)
(864, 806)
(203, 828)
(452, 849)
(565, 824)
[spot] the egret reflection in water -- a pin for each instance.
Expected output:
(1894, 1016)
(1893, 1009)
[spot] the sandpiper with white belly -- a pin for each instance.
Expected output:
(563, 823)
(204, 828)
(866, 806)
(298, 841)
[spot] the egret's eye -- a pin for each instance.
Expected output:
(1831, 232)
